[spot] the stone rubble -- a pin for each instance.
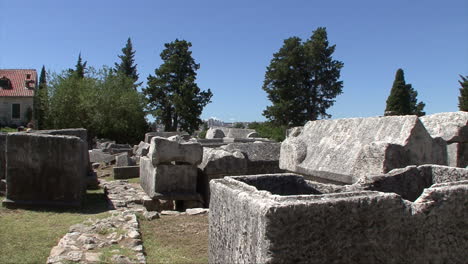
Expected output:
(90, 241)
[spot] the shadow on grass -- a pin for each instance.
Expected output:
(94, 202)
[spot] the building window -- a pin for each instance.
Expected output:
(28, 76)
(15, 111)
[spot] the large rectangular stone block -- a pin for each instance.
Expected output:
(150, 135)
(282, 218)
(168, 182)
(164, 151)
(44, 170)
(344, 150)
(126, 172)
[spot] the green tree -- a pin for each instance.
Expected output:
(269, 130)
(403, 98)
(126, 65)
(463, 98)
(80, 68)
(41, 99)
(238, 125)
(175, 100)
(302, 80)
(104, 102)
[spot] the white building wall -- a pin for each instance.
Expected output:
(6, 110)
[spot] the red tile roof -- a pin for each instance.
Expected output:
(18, 82)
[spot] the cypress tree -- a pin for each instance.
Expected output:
(41, 100)
(80, 68)
(463, 98)
(126, 65)
(403, 98)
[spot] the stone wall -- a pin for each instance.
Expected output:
(343, 150)
(229, 132)
(44, 170)
(452, 127)
(282, 218)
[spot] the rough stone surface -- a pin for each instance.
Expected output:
(262, 157)
(2, 187)
(283, 219)
(344, 150)
(125, 196)
(450, 126)
(2, 155)
(123, 159)
(150, 135)
(97, 155)
(142, 149)
(172, 182)
(87, 242)
(216, 164)
(45, 170)
(164, 151)
(126, 172)
(213, 133)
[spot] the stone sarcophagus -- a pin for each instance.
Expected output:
(282, 218)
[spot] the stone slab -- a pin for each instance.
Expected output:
(164, 151)
(262, 157)
(123, 159)
(44, 170)
(168, 182)
(126, 172)
(97, 155)
(450, 126)
(142, 149)
(344, 150)
(150, 135)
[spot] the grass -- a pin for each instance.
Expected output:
(27, 236)
(108, 171)
(176, 239)
(8, 129)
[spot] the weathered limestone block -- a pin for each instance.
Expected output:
(126, 172)
(169, 182)
(261, 157)
(142, 149)
(163, 151)
(444, 174)
(213, 133)
(2, 155)
(45, 169)
(344, 150)
(283, 219)
(253, 135)
(457, 154)
(150, 135)
(222, 162)
(216, 164)
(124, 160)
(237, 132)
(450, 126)
(97, 155)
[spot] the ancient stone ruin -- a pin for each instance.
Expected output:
(453, 129)
(363, 190)
(282, 218)
(169, 172)
(46, 168)
(344, 150)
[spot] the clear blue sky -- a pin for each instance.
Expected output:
(234, 42)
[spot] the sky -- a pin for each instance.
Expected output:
(234, 41)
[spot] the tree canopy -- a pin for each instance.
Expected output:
(463, 98)
(174, 98)
(103, 101)
(302, 80)
(126, 65)
(403, 98)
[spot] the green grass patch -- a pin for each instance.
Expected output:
(108, 252)
(176, 239)
(27, 236)
(8, 129)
